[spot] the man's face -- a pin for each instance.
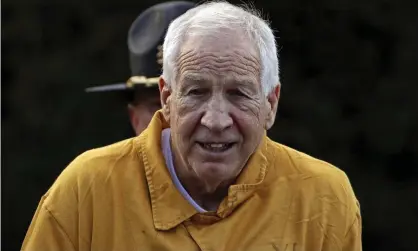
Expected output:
(142, 110)
(216, 109)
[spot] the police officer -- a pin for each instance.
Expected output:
(145, 39)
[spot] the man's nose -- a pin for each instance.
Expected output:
(216, 116)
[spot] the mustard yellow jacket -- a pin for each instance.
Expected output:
(121, 198)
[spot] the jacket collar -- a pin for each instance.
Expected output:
(169, 207)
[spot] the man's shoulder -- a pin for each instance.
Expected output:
(316, 187)
(295, 162)
(310, 175)
(105, 157)
(97, 165)
(109, 152)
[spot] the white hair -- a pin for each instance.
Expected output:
(213, 17)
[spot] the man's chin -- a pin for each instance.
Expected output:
(213, 178)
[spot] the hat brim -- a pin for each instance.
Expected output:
(117, 87)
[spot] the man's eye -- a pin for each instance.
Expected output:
(196, 92)
(236, 93)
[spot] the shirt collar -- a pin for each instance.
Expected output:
(169, 207)
(166, 148)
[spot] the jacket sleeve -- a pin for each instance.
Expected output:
(352, 240)
(45, 233)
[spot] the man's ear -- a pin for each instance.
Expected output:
(165, 97)
(133, 117)
(273, 102)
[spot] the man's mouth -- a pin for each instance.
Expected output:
(216, 147)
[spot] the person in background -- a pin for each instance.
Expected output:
(145, 39)
(204, 175)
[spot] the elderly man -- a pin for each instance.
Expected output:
(145, 38)
(203, 175)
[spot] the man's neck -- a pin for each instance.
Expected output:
(207, 197)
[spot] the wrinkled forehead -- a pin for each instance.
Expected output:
(225, 81)
(222, 59)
